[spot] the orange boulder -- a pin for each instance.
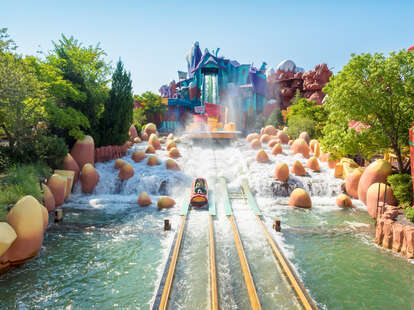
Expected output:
(89, 178)
(144, 136)
(300, 198)
(351, 183)
(277, 149)
(57, 185)
(174, 153)
(144, 200)
(150, 149)
(262, 157)
(170, 144)
(119, 163)
(126, 172)
(48, 198)
(255, 144)
(270, 130)
(339, 170)
(298, 169)
(138, 156)
(7, 237)
(153, 140)
(281, 172)
(152, 160)
(264, 138)
(343, 201)
(300, 147)
(376, 172)
(252, 136)
(171, 164)
(304, 135)
(133, 132)
(27, 220)
(137, 140)
(372, 197)
(313, 164)
(273, 142)
(70, 164)
(283, 137)
(165, 202)
(150, 128)
(83, 151)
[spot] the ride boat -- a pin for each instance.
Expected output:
(199, 193)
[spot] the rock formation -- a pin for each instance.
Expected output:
(89, 178)
(83, 151)
(300, 198)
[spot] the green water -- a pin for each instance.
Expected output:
(339, 263)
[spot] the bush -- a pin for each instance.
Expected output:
(21, 180)
(409, 213)
(298, 124)
(5, 160)
(275, 119)
(51, 150)
(402, 187)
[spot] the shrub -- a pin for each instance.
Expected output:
(298, 124)
(21, 180)
(409, 213)
(402, 187)
(275, 119)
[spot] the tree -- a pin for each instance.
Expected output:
(21, 100)
(314, 117)
(6, 44)
(117, 117)
(275, 119)
(152, 106)
(86, 70)
(377, 91)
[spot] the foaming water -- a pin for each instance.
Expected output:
(110, 253)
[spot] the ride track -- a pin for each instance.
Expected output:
(164, 289)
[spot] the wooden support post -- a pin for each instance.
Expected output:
(58, 215)
(276, 224)
(167, 224)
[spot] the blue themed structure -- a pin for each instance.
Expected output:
(214, 90)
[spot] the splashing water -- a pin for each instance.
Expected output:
(110, 253)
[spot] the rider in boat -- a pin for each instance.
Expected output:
(199, 187)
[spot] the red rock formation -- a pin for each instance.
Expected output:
(48, 198)
(281, 172)
(255, 144)
(252, 136)
(298, 169)
(394, 235)
(300, 198)
(351, 183)
(284, 84)
(110, 152)
(57, 185)
(300, 147)
(126, 171)
(283, 137)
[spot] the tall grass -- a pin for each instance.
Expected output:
(21, 180)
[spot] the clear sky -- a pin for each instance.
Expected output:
(153, 37)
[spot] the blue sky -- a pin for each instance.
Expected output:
(153, 37)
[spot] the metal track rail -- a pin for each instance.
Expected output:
(162, 299)
(212, 253)
(248, 278)
(303, 295)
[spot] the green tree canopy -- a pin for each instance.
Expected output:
(314, 117)
(88, 73)
(117, 117)
(153, 107)
(377, 91)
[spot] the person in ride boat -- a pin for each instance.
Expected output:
(199, 187)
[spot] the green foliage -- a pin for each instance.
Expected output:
(6, 44)
(117, 117)
(153, 108)
(5, 160)
(298, 124)
(409, 213)
(402, 187)
(85, 70)
(50, 149)
(139, 119)
(21, 100)
(377, 91)
(307, 109)
(275, 119)
(21, 180)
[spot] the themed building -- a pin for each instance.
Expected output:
(215, 90)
